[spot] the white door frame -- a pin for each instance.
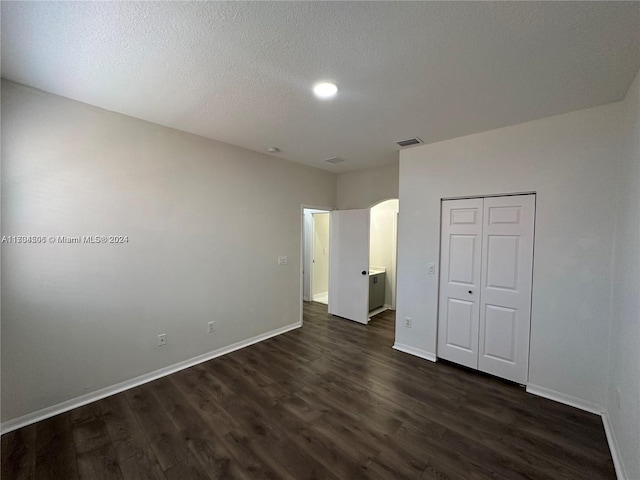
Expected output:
(304, 207)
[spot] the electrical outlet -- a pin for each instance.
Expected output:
(162, 339)
(407, 322)
(211, 327)
(431, 269)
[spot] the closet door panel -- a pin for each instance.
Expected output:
(505, 305)
(461, 247)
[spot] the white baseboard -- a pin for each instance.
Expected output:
(67, 405)
(415, 351)
(320, 295)
(564, 398)
(621, 472)
(376, 311)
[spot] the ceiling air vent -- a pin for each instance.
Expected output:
(409, 142)
(334, 160)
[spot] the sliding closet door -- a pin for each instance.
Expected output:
(505, 306)
(461, 246)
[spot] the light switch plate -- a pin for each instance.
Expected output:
(283, 260)
(431, 269)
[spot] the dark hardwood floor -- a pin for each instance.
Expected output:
(331, 400)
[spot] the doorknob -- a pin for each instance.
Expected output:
(364, 272)
(471, 292)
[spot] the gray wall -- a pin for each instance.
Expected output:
(585, 333)
(624, 368)
(570, 161)
(365, 188)
(206, 222)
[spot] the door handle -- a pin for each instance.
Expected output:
(364, 272)
(471, 292)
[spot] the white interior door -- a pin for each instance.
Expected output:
(461, 247)
(349, 264)
(507, 266)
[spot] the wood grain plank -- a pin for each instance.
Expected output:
(143, 465)
(204, 444)
(132, 448)
(337, 457)
(204, 402)
(55, 449)
(95, 453)
(328, 401)
(255, 466)
(19, 454)
(269, 442)
(164, 438)
(187, 469)
(99, 462)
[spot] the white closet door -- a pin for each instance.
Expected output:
(507, 266)
(349, 264)
(461, 238)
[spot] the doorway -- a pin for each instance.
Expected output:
(315, 255)
(383, 233)
(319, 275)
(363, 261)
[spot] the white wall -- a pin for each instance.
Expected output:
(570, 162)
(624, 368)
(364, 188)
(206, 222)
(382, 244)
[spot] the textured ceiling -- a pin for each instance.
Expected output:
(242, 72)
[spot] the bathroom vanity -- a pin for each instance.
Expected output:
(376, 287)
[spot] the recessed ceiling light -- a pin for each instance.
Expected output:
(325, 89)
